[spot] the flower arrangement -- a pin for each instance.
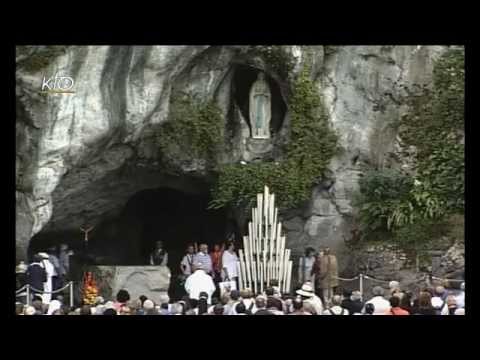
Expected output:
(90, 290)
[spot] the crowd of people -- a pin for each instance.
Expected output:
(202, 273)
(435, 301)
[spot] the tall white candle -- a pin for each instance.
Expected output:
(260, 276)
(280, 270)
(242, 263)
(239, 272)
(289, 275)
(248, 265)
(271, 209)
(268, 273)
(265, 198)
(258, 230)
(287, 258)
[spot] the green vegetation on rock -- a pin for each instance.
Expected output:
(413, 207)
(194, 130)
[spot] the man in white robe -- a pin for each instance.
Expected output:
(199, 282)
(50, 270)
(229, 262)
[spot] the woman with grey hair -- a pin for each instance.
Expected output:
(381, 304)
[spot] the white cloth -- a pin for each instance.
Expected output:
(187, 263)
(47, 286)
(230, 308)
(437, 303)
(198, 282)
(248, 303)
(337, 310)
(53, 306)
(229, 262)
(460, 298)
(316, 303)
(381, 305)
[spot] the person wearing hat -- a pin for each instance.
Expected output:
(198, 282)
(308, 297)
(29, 310)
(51, 272)
(36, 275)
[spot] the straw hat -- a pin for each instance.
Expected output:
(148, 304)
(306, 290)
(109, 305)
(437, 302)
(21, 268)
(29, 310)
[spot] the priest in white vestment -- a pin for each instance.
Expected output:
(199, 282)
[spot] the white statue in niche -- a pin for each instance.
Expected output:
(260, 108)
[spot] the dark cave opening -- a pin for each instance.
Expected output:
(243, 79)
(175, 217)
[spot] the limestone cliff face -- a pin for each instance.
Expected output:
(81, 156)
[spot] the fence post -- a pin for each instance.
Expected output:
(361, 285)
(28, 295)
(71, 294)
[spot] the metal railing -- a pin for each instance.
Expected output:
(29, 288)
(361, 277)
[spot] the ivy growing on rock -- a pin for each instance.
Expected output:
(194, 130)
(37, 58)
(311, 145)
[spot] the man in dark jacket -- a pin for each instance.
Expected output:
(36, 274)
(352, 302)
